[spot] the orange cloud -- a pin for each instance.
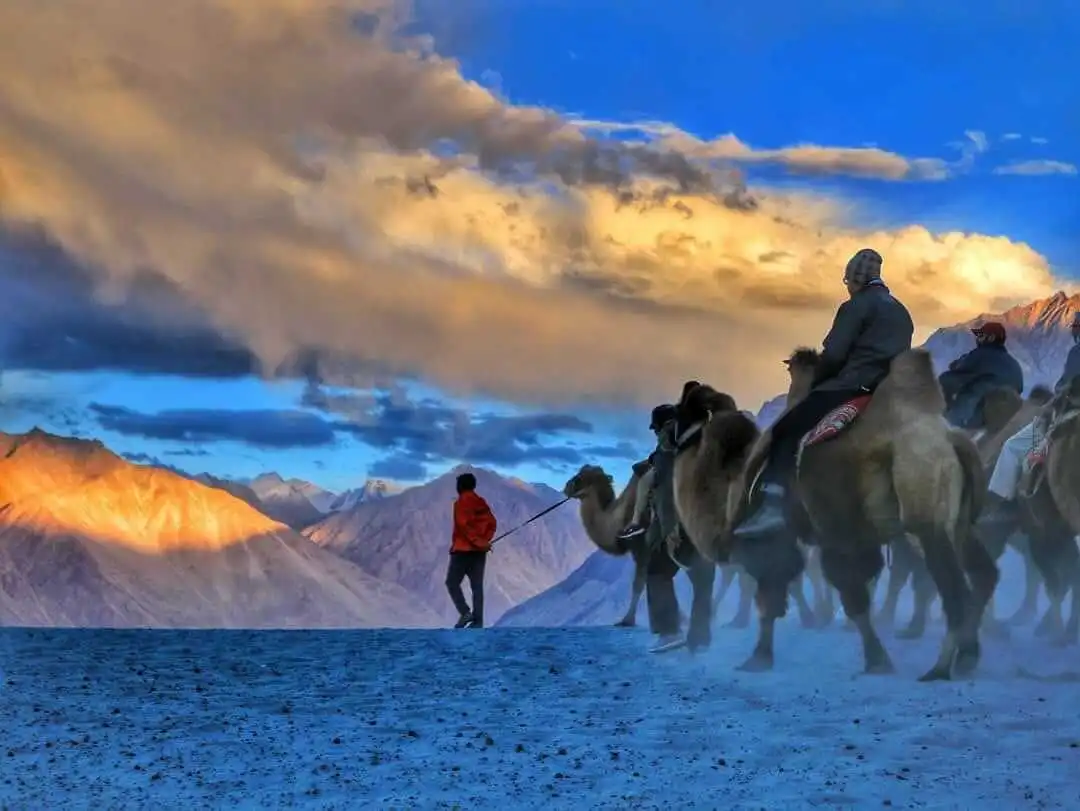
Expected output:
(286, 175)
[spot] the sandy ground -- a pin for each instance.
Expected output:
(508, 718)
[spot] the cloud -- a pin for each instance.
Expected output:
(274, 430)
(410, 433)
(399, 468)
(415, 433)
(807, 159)
(330, 201)
(1037, 167)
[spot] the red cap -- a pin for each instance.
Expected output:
(991, 329)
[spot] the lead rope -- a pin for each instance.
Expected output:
(540, 514)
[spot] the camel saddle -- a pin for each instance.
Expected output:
(1033, 468)
(836, 421)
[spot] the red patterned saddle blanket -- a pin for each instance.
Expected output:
(836, 421)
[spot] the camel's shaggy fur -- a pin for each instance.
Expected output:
(1004, 414)
(704, 468)
(1053, 510)
(898, 469)
(604, 515)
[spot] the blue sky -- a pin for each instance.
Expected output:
(910, 78)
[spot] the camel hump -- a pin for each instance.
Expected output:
(912, 385)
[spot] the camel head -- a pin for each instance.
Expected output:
(801, 366)
(698, 406)
(590, 479)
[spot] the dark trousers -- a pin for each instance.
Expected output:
(660, 595)
(470, 565)
(789, 430)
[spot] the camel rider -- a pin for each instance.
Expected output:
(869, 330)
(968, 379)
(1000, 514)
(660, 463)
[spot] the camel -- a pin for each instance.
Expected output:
(897, 468)
(1050, 499)
(603, 514)
(1004, 412)
(711, 448)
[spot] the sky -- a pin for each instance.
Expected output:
(371, 238)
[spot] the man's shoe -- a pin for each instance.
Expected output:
(463, 621)
(631, 532)
(768, 519)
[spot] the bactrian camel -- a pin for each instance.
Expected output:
(604, 515)
(897, 469)
(1004, 412)
(712, 440)
(1050, 500)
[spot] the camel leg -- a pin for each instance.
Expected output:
(824, 605)
(1029, 608)
(983, 574)
(944, 565)
(1054, 557)
(728, 573)
(774, 564)
(806, 613)
(922, 584)
(702, 575)
(747, 588)
(1072, 629)
(637, 588)
(899, 572)
(1069, 565)
(851, 575)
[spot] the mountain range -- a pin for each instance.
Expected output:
(89, 538)
(404, 539)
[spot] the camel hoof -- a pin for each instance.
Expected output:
(936, 674)
(626, 622)
(1064, 640)
(884, 667)
(1025, 615)
(1050, 630)
(758, 663)
(911, 632)
(966, 663)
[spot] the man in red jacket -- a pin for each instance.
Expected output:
(474, 527)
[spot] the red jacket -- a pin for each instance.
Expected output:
(474, 524)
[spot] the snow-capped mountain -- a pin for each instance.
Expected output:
(1038, 337)
(371, 490)
(299, 503)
